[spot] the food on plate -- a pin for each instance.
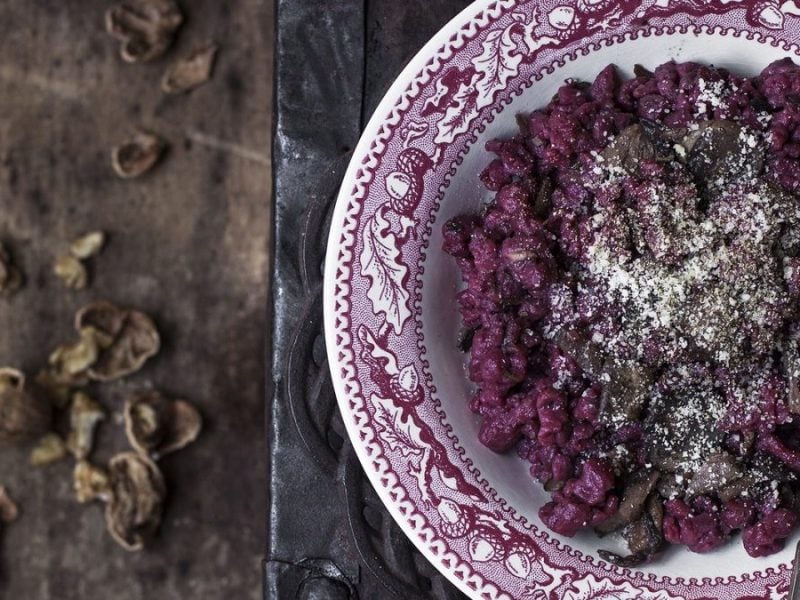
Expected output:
(632, 305)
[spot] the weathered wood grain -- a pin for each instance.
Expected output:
(187, 243)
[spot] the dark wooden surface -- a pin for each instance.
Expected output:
(188, 244)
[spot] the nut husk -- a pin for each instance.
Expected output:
(8, 510)
(137, 496)
(76, 359)
(71, 271)
(157, 426)
(84, 416)
(137, 155)
(24, 415)
(146, 28)
(51, 448)
(191, 71)
(88, 245)
(57, 386)
(90, 482)
(130, 337)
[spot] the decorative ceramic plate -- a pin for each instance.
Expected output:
(390, 307)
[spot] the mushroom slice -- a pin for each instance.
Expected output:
(146, 28)
(90, 482)
(24, 416)
(131, 338)
(634, 500)
(191, 71)
(84, 416)
(719, 470)
(158, 426)
(137, 155)
(721, 150)
(8, 510)
(88, 245)
(137, 496)
(49, 449)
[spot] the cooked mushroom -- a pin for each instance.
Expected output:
(137, 155)
(137, 495)
(633, 502)
(625, 392)
(84, 416)
(156, 426)
(8, 510)
(131, 335)
(631, 147)
(90, 482)
(719, 470)
(720, 150)
(51, 448)
(24, 415)
(88, 245)
(71, 271)
(576, 344)
(191, 71)
(146, 28)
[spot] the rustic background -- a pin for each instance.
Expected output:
(188, 244)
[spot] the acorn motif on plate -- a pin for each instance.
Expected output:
(486, 545)
(405, 185)
(519, 559)
(406, 388)
(766, 14)
(564, 20)
(455, 522)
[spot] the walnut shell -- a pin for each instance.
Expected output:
(90, 482)
(191, 71)
(157, 426)
(146, 28)
(137, 155)
(84, 416)
(133, 513)
(131, 338)
(24, 416)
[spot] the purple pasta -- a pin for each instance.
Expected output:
(631, 297)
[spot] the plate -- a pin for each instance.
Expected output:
(391, 320)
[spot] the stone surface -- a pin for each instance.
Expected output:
(188, 243)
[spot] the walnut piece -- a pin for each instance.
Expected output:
(88, 245)
(76, 359)
(71, 271)
(131, 338)
(84, 416)
(10, 276)
(8, 510)
(137, 497)
(137, 155)
(24, 415)
(156, 426)
(146, 28)
(49, 449)
(191, 71)
(90, 482)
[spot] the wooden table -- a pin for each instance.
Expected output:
(188, 244)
